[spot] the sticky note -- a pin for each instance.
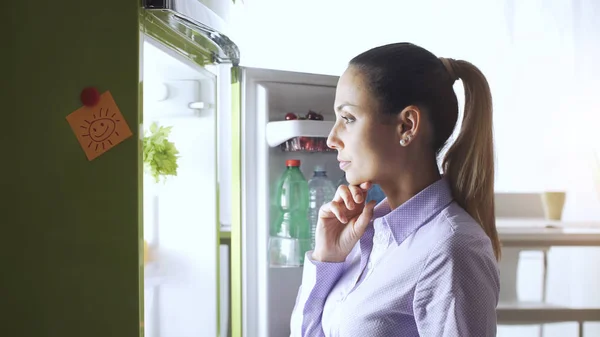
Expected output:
(99, 128)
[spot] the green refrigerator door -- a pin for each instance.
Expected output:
(71, 226)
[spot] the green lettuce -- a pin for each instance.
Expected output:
(160, 155)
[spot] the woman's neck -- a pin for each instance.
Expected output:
(409, 183)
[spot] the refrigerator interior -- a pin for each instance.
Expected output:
(180, 214)
(270, 293)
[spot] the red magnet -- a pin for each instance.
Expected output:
(90, 96)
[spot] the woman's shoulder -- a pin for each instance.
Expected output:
(458, 244)
(454, 229)
(456, 221)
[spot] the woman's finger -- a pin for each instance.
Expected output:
(357, 194)
(365, 186)
(343, 194)
(338, 208)
(360, 225)
(325, 211)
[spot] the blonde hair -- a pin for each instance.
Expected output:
(469, 162)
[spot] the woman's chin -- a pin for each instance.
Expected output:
(354, 180)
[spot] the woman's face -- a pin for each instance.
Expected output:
(368, 148)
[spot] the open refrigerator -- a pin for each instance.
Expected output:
(269, 293)
(206, 271)
(182, 269)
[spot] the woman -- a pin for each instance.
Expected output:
(423, 262)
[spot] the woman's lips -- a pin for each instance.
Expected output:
(344, 164)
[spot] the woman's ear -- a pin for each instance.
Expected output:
(409, 121)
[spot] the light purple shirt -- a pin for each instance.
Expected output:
(424, 269)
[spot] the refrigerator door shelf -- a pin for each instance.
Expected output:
(281, 131)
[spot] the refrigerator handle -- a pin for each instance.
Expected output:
(197, 17)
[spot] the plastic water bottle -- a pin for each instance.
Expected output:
(375, 193)
(290, 229)
(320, 190)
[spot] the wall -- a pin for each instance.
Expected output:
(69, 226)
(540, 58)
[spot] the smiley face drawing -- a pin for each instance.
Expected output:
(100, 129)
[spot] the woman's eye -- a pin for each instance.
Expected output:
(348, 120)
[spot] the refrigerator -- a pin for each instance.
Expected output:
(185, 59)
(207, 270)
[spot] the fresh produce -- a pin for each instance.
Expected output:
(159, 154)
(303, 143)
(311, 115)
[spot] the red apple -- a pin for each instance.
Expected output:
(290, 116)
(312, 115)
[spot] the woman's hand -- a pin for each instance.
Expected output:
(342, 222)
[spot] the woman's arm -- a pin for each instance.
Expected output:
(458, 289)
(342, 222)
(318, 278)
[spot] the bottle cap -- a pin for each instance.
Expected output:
(292, 162)
(319, 168)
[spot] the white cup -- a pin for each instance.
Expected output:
(554, 202)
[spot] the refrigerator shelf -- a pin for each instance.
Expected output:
(225, 234)
(277, 133)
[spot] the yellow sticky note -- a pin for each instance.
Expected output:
(99, 128)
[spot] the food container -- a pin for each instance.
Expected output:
(306, 144)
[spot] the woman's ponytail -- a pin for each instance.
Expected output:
(469, 162)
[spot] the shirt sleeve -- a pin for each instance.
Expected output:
(318, 278)
(457, 292)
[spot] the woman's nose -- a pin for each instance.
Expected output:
(333, 141)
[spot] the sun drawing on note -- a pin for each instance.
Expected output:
(100, 128)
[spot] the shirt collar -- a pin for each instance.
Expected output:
(415, 212)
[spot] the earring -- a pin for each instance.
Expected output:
(405, 141)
